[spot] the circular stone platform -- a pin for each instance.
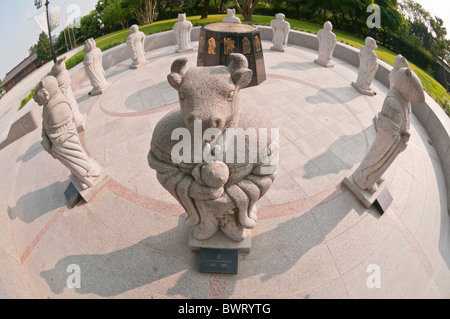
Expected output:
(313, 238)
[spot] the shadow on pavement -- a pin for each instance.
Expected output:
(31, 152)
(274, 252)
(34, 204)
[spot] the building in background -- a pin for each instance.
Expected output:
(443, 73)
(22, 70)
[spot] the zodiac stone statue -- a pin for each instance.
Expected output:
(280, 29)
(231, 17)
(368, 67)
(327, 43)
(392, 124)
(65, 85)
(217, 194)
(135, 44)
(59, 134)
(94, 67)
(182, 30)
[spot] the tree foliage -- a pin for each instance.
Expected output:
(115, 16)
(247, 8)
(144, 11)
(90, 26)
(43, 49)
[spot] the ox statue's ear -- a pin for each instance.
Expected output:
(178, 70)
(240, 73)
(242, 77)
(60, 61)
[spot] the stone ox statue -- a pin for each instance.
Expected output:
(218, 194)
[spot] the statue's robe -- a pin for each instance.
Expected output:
(367, 68)
(393, 124)
(60, 139)
(135, 43)
(94, 69)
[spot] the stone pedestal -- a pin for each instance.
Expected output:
(219, 40)
(366, 198)
(89, 193)
(220, 241)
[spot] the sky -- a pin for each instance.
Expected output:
(20, 30)
(439, 8)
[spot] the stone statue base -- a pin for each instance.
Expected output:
(325, 65)
(89, 193)
(362, 91)
(140, 65)
(366, 198)
(277, 48)
(220, 241)
(99, 91)
(82, 126)
(184, 50)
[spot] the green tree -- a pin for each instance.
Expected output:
(90, 27)
(441, 43)
(391, 19)
(419, 21)
(144, 11)
(205, 9)
(247, 8)
(43, 49)
(115, 14)
(32, 49)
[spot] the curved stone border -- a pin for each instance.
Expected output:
(430, 114)
(24, 121)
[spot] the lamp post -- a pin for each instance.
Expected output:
(38, 4)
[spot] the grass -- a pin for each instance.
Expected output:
(26, 99)
(431, 86)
